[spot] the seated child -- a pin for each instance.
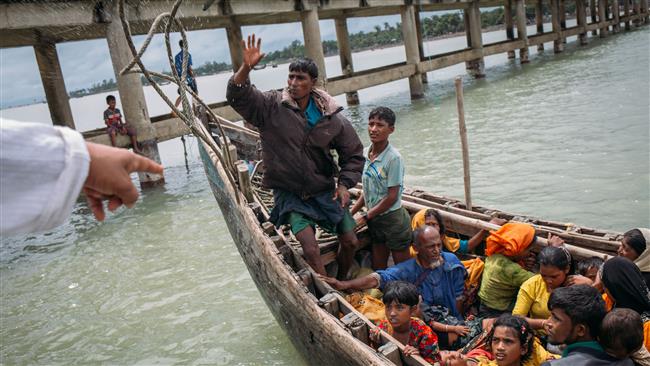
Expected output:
(510, 342)
(589, 267)
(401, 300)
(621, 335)
(115, 125)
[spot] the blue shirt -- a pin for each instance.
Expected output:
(312, 113)
(178, 62)
(387, 170)
(441, 286)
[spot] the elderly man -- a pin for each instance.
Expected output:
(439, 276)
(299, 126)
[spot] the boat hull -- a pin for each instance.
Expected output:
(319, 336)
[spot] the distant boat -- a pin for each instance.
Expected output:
(274, 65)
(259, 66)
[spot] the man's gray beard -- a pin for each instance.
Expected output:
(437, 263)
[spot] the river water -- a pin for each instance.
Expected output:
(565, 137)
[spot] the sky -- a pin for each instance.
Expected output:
(86, 62)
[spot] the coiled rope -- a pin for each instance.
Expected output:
(187, 115)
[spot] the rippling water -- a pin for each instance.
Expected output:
(565, 137)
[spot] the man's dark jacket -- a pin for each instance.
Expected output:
(298, 158)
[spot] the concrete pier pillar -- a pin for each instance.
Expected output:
(520, 9)
(418, 28)
(581, 18)
(558, 46)
(409, 34)
(233, 32)
(602, 4)
(345, 54)
(593, 12)
(133, 103)
(313, 43)
(53, 84)
(507, 18)
(626, 13)
(472, 13)
(617, 17)
(562, 11)
(644, 10)
(539, 21)
(636, 5)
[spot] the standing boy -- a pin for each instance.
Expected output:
(388, 222)
(115, 125)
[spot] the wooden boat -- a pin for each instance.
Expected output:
(306, 307)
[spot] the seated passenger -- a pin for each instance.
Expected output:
(401, 300)
(383, 178)
(503, 275)
(510, 342)
(532, 300)
(589, 267)
(625, 285)
(576, 315)
(431, 217)
(634, 247)
(438, 276)
(621, 335)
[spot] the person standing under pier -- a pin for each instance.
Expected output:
(299, 126)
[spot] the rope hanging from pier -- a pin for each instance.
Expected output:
(187, 115)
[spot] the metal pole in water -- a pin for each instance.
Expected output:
(463, 141)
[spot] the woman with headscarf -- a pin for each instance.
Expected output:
(503, 274)
(625, 285)
(634, 247)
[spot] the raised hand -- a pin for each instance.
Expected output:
(252, 52)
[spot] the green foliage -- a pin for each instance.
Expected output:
(380, 36)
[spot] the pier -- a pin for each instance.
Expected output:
(43, 24)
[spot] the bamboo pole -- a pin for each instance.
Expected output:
(463, 142)
(484, 225)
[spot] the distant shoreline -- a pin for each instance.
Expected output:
(279, 62)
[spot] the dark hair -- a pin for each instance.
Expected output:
(181, 43)
(383, 113)
(624, 281)
(436, 215)
(584, 265)
(109, 98)
(522, 330)
(622, 328)
(305, 65)
(401, 292)
(582, 303)
(635, 240)
(556, 257)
